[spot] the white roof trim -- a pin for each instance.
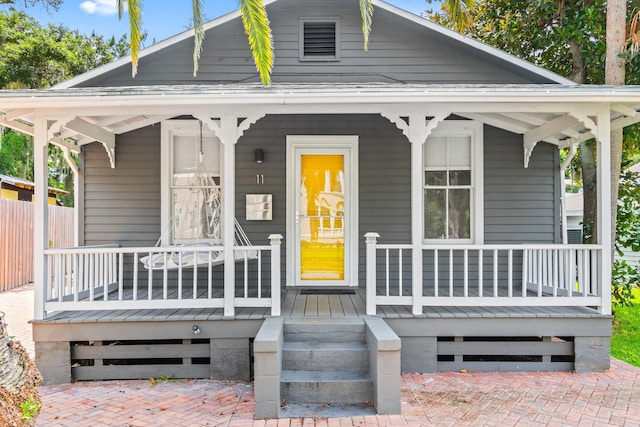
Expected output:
(521, 63)
(148, 51)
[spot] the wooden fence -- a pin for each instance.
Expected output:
(16, 239)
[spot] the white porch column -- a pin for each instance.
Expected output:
(417, 136)
(41, 213)
(603, 138)
(228, 135)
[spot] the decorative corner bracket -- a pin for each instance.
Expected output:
(83, 127)
(216, 124)
(416, 127)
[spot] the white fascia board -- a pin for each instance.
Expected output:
(176, 101)
(148, 51)
(521, 63)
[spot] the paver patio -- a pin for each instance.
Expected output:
(447, 399)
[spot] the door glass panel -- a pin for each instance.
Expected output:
(321, 217)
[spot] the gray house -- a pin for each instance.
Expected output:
(371, 212)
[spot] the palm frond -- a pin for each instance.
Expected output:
(256, 25)
(459, 12)
(366, 12)
(120, 6)
(134, 8)
(198, 33)
(633, 35)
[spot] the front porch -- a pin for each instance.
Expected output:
(501, 276)
(204, 342)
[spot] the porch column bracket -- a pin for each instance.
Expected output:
(412, 126)
(248, 121)
(57, 125)
(562, 124)
(241, 124)
(212, 123)
(91, 131)
(573, 148)
(587, 121)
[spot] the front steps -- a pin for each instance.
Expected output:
(326, 367)
(325, 364)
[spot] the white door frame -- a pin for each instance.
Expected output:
(325, 142)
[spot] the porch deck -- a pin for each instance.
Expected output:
(295, 304)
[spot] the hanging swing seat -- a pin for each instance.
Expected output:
(197, 218)
(183, 259)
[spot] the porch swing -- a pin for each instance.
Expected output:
(198, 216)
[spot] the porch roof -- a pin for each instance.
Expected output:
(558, 114)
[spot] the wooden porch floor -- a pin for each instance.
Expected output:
(297, 305)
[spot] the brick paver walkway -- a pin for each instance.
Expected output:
(450, 399)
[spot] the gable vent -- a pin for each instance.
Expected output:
(320, 39)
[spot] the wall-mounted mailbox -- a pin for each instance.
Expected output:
(259, 207)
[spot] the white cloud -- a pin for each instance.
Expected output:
(101, 7)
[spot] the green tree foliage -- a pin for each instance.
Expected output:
(37, 56)
(626, 276)
(54, 4)
(16, 155)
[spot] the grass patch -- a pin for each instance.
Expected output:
(625, 342)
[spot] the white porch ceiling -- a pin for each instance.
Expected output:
(562, 115)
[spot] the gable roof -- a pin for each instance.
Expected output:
(474, 45)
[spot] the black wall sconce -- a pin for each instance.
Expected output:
(259, 155)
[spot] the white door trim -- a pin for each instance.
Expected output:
(324, 142)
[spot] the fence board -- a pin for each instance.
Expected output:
(16, 239)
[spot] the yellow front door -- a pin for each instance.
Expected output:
(322, 210)
(321, 218)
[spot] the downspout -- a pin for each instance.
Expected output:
(563, 198)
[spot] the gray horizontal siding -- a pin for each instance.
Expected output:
(384, 173)
(520, 205)
(122, 205)
(399, 51)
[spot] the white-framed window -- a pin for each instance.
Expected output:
(191, 209)
(452, 183)
(319, 39)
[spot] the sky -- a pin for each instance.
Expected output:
(161, 18)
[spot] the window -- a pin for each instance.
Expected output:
(452, 162)
(191, 194)
(319, 39)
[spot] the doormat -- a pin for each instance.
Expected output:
(327, 292)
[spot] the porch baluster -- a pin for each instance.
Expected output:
(480, 268)
(435, 273)
(135, 276)
(120, 276)
(495, 272)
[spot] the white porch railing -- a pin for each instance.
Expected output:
(484, 275)
(113, 278)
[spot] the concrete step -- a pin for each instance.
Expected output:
(326, 387)
(324, 330)
(321, 356)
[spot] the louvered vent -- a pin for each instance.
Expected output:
(319, 39)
